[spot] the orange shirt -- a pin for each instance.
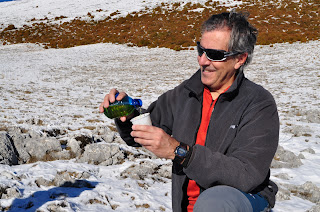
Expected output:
(193, 190)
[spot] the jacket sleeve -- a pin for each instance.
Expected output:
(124, 129)
(245, 163)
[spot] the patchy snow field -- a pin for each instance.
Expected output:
(62, 88)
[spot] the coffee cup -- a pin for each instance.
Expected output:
(143, 119)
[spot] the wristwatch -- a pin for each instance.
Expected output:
(182, 152)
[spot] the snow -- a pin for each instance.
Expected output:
(64, 87)
(105, 179)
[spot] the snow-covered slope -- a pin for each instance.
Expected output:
(64, 87)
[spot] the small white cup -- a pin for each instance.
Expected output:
(143, 119)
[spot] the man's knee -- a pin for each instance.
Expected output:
(222, 198)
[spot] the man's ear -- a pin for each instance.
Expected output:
(241, 59)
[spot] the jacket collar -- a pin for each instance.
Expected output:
(234, 88)
(195, 85)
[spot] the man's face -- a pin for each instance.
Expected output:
(217, 76)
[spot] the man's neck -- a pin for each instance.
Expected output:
(216, 93)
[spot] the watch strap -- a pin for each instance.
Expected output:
(183, 160)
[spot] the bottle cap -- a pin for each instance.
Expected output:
(137, 103)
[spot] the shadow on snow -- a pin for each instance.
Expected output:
(39, 198)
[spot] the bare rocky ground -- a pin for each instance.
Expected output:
(50, 98)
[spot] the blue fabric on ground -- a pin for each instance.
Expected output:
(258, 202)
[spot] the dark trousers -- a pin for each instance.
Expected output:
(226, 198)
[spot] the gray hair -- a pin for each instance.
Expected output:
(243, 34)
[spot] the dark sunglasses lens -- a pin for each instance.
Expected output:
(200, 50)
(214, 54)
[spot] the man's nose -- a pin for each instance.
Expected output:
(203, 60)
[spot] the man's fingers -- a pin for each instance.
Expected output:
(145, 135)
(112, 94)
(141, 134)
(109, 98)
(143, 142)
(121, 96)
(105, 102)
(101, 108)
(137, 127)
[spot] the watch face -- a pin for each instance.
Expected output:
(181, 152)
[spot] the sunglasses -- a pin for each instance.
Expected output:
(215, 54)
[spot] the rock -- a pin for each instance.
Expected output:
(58, 206)
(285, 159)
(12, 192)
(74, 146)
(165, 171)
(311, 188)
(299, 130)
(28, 143)
(141, 171)
(23, 146)
(147, 169)
(39, 148)
(7, 192)
(67, 179)
(309, 150)
(307, 191)
(42, 182)
(315, 208)
(118, 140)
(85, 175)
(283, 176)
(103, 154)
(301, 156)
(7, 152)
(283, 194)
(313, 116)
(310, 116)
(35, 135)
(55, 132)
(104, 134)
(61, 178)
(8, 175)
(61, 155)
(34, 121)
(84, 140)
(19, 142)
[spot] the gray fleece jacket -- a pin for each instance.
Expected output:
(241, 141)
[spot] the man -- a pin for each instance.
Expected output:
(220, 129)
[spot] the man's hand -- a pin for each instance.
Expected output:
(155, 140)
(110, 98)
